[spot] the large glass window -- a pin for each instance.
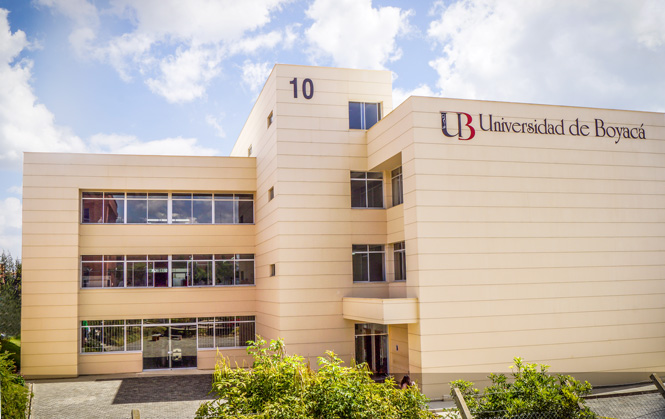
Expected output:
(153, 208)
(398, 188)
(363, 115)
(125, 335)
(153, 270)
(368, 262)
(234, 208)
(234, 269)
(366, 190)
(399, 253)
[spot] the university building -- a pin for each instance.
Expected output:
(440, 238)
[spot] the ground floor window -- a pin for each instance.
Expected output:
(190, 333)
(371, 342)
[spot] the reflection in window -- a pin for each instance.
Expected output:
(363, 115)
(226, 332)
(153, 208)
(398, 188)
(153, 270)
(399, 253)
(366, 190)
(368, 262)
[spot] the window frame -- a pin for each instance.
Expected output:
(399, 254)
(365, 180)
(397, 183)
(359, 250)
(363, 114)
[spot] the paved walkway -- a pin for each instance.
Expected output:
(156, 397)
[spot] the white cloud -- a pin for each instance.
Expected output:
(214, 122)
(255, 74)
(129, 144)
(184, 77)
(400, 95)
(176, 47)
(10, 226)
(354, 34)
(592, 53)
(25, 124)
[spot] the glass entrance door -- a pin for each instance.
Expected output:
(372, 347)
(169, 346)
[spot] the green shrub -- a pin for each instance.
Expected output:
(284, 387)
(532, 391)
(13, 349)
(14, 392)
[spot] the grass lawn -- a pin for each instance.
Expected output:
(13, 345)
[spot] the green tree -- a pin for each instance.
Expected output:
(10, 295)
(532, 392)
(281, 386)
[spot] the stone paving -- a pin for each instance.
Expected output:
(160, 397)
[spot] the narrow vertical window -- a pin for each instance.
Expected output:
(92, 207)
(399, 253)
(271, 193)
(398, 188)
(270, 118)
(273, 270)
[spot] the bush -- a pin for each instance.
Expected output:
(284, 387)
(14, 392)
(10, 346)
(532, 392)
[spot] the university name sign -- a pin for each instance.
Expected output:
(543, 126)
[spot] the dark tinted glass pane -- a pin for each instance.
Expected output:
(375, 247)
(354, 115)
(224, 257)
(158, 257)
(223, 212)
(92, 211)
(159, 195)
(202, 274)
(398, 195)
(202, 212)
(91, 274)
(136, 257)
(223, 273)
(375, 175)
(360, 267)
(159, 272)
(182, 257)
(374, 194)
(91, 258)
(138, 195)
(114, 195)
(359, 247)
(371, 114)
(158, 211)
(245, 196)
(358, 175)
(114, 210)
(181, 211)
(400, 266)
(179, 273)
(114, 274)
(246, 212)
(179, 195)
(91, 194)
(244, 272)
(358, 194)
(246, 333)
(137, 211)
(245, 256)
(376, 267)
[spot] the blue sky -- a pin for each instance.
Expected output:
(180, 77)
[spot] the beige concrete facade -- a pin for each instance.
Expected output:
(549, 244)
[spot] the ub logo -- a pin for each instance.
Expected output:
(445, 128)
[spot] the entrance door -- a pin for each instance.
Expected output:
(372, 347)
(169, 346)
